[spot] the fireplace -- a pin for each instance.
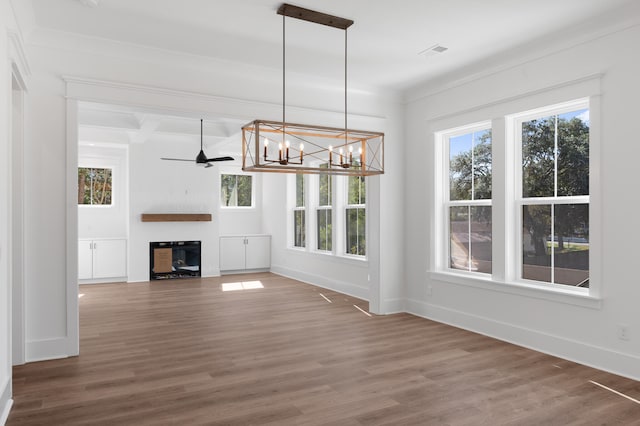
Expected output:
(174, 259)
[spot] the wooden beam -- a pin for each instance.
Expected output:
(313, 16)
(176, 217)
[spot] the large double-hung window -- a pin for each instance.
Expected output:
(469, 206)
(554, 195)
(543, 197)
(337, 220)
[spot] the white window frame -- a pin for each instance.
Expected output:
(346, 206)
(520, 201)
(339, 194)
(505, 164)
(114, 170)
(253, 190)
(445, 137)
(303, 208)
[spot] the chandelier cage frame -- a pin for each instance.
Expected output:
(278, 146)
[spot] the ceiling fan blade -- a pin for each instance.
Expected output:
(220, 159)
(176, 159)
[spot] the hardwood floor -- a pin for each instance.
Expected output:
(187, 353)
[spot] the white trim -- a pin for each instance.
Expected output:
(173, 101)
(5, 400)
(627, 365)
(73, 317)
(538, 290)
(18, 56)
(42, 350)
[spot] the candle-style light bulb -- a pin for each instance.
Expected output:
(301, 151)
(280, 151)
(341, 154)
(350, 154)
(330, 154)
(266, 144)
(287, 144)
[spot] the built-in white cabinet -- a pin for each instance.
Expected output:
(99, 259)
(245, 252)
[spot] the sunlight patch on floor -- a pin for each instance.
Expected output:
(242, 285)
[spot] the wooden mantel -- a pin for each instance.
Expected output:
(176, 217)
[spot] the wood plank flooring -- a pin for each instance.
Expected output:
(187, 353)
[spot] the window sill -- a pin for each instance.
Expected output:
(570, 296)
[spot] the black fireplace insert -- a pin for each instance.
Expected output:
(174, 259)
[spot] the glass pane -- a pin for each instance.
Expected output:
(299, 228)
(324, 188)
(299, 190)
(571, 244)
(244, 191)
(356, 190)
(482, 165)
(324, 229)
(356, 230)
(460, 167)
(94, 186)
(536, 250)
(573, 153)
(538, 144)
(228, 193)
(459, 237)
(480, 238)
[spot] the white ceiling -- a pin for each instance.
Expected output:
(384, 42)
(384, 45)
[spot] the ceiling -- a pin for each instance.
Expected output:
(384, 43)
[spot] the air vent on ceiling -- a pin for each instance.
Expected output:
(90, 3)
(433, 50)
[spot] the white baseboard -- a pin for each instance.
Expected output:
(5, 401)
(393, 306)
(593, 356)
(42, 350)
(319, 281)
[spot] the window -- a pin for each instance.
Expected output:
(236, 190)
(299, 225)
(324, 211)
(468, 208)
(554, 200)
(355, 216)
(94, 186)
(542, 157)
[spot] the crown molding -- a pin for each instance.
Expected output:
(18, 57)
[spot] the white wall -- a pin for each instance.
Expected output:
(5, 194)
(587, 334)
(106, 221)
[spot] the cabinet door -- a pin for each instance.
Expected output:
(258, 252)
(85, 259)
(232, 253)
(109, 258)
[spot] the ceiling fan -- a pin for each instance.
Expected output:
(202, 157)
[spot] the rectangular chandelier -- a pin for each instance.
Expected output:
(271, 146)
(279, 146)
